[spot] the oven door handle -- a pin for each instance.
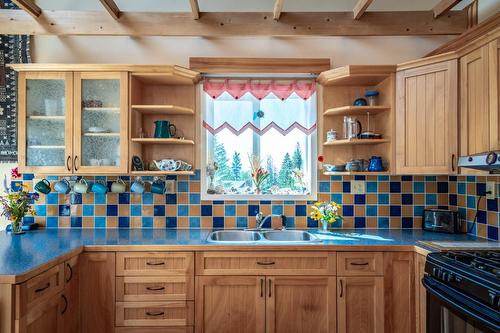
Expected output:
(459, 302)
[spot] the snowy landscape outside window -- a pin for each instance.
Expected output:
(259, 139)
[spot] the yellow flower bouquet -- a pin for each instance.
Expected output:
(327, 212)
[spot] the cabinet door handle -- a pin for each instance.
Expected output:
(67, 163)
(74, 163)
(262, 287)
(65, 304)
(155, 288)
(155, 314)
(270, 287)
(43, 288)
(358, 263)
(155, 263)
(265, 263)
(341, 289)
(70, 272)
(453, 162)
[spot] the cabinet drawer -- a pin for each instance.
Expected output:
(187, 329)
(360, 263)
(257, 263)
(154, 288)
(38, 289)
(136, 314)
(154, 263)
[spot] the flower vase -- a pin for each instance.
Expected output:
(257, 190)
(324, 225)
(17, 226)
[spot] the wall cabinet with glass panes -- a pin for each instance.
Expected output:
(73, 122)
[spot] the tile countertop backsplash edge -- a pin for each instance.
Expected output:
(390, 202)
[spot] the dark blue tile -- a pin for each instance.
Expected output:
(442, 187)
(171, 177)
(218, 202)
(218, 222)
(407, 199)
(28, 176)
(171, 222)
(481, 217)
(452, 178)
(348, 210)
(493, 232)
(76, 199)
(28, 220)
(346, 187)
(359, 177)
(206, 210)
(480, 188)
(359, 222)
(253, 210)
(123, 222)
(359, 199)
(196, 175)
(395, 210)
(311, 223)
(171, 199)
(112, 210)
(452, 199)
(76, 221)
(492, 205)
(407, 222)
(265, 202)
(300, 210)
(64, 210)
(395, 187)
(124, 198)
(406, 178)
(159, 210)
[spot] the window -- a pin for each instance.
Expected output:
(259, 139)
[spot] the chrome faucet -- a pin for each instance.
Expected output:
(260, 219)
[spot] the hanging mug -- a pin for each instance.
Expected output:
(81, 186)
(63, 186)
(99, 187)
(158, 187)
(164, 129)
(118, 186)
(137, 186)
(43, 186)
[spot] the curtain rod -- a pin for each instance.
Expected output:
(261, 75)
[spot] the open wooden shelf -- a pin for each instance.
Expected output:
(356, 142)
(348, 173)
(161, 173)
(170, 75)
(163, 109)
(356, 75)
(156, 141)
(353, 110)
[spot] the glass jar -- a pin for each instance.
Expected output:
(372, 97)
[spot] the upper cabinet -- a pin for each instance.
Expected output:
(426, 118)
(494, 88)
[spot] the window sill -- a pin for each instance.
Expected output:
(258, 197)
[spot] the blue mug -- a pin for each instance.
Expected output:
(164, 129)
(43, 186)
(158, 187)
(137, 186)
(375, 164)
(62, 186)
(99, 188)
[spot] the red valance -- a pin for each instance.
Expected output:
(259, 90)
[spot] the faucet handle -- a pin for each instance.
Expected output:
(283, 222)
(259, 216)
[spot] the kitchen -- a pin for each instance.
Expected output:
(250, 167)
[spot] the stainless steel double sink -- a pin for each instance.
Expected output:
(260, 236)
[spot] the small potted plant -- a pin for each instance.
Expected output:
(17, 204)
(325, 212)
(259, 174)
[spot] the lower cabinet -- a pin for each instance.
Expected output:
(71, 296)
(360, 304)
(46, 317)
(420, 294)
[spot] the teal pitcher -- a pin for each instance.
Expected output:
(164, 129)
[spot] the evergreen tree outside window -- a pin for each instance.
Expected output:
(273, 122)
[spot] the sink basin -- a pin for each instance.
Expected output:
(289, 236)
(234, 236)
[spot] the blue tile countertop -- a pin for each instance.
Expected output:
(22, 256)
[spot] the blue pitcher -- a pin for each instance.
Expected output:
(375, 164)
(164, 129)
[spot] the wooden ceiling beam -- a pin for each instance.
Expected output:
(443, 6)
(195, 9)
(278, 7)
(360, 8)
(212, 24)
(112, 8)
(29, 7)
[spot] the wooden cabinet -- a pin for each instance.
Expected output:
(226, 304)
(296, 304)
(494, 92)
(420, 294)
(97, 292)
(426, 118)
(360, 304)
(154, 263)
(71, 296)
(360, 263)
(46, 317)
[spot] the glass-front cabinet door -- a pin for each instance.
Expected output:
(100, 124)
(45, 122)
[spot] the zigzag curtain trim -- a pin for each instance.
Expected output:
(259, 131)
(259, 90)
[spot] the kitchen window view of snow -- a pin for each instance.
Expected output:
(259, 139)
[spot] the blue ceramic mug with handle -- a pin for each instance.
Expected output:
(100, 188)
(164, 129)
(158, 186)
(43, 186)
(137, 186)
(62, 186)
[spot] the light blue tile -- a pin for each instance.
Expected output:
(471, 201)
(194, 221)
(182, 186)
(230, 210)
(383, 178)
(371, 187)
(277, 209)
(431, 199)
(383, 222)
(88, 210)
(336, 197)
(135, 210)
(147, 221)
(52, 222)
(147, 198)
(100, 222)
(418, 187)
(290, 222)
(383, 199)
(371, 210)
(336, 178)
(194, 198)
(41, 210)
(461, 188)
(471, 179)
(324, 187)
(430, 178)
(99, 199)
(241, 222)
(183, 210)
(52, 198)
(418, 210)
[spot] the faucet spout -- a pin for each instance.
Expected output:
(261, 219)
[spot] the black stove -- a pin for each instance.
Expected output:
(468, 281)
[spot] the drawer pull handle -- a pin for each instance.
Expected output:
(155, 288)
(43, 288)
(155, 314)
(265, 263)
(155, 263)
(359, 263)
(341, 289)
(70, 272)
(65, 304)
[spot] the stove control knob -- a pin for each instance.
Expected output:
(435, 271)
(446, 276)
(450, 277)
(494, 298)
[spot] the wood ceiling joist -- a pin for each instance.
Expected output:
(360, 8)
(278, 7)
(195, 9)
(443, 6)
(29, 7)
(212, 24)
(112, 8)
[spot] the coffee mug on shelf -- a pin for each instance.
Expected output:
(63, 186)
(137, 186)
(158, 186)
(43, 186)
(81, 186)
(118, 186)
(184, 166)
(99, 187)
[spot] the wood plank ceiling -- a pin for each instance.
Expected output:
(360, 22)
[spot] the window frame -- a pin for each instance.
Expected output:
(256, 197)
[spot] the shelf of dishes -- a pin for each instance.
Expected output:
(354, 109)
(163, 141)
(355, 142)
(375, 165)
(161, 173)
(350, 173)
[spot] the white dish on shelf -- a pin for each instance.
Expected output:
(98, 130)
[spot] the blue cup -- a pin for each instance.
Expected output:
(62, 186)
(158, 187)
(43, 186)
(99, 188)
(137, 186)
